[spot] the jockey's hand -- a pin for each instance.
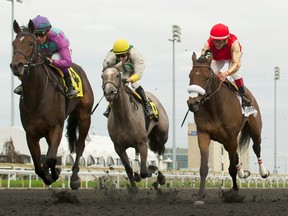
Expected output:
(128, 80)
(47, 60)
(222, 76)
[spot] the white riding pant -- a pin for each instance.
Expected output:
(218, 65)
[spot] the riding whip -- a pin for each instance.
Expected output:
(185, 117)
(97, 105)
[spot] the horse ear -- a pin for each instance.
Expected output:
(194, 58)
(16, 27)
(118, 65)
(31, 26)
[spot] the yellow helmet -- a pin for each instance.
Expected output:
(121, 46)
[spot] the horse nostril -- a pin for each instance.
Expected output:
(20, 65)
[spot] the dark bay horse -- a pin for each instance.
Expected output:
(126, 126)
(44, 107)
(218, 116)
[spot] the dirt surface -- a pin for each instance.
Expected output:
(166, 202)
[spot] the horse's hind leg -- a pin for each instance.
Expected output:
(255, 134)
(257, 150)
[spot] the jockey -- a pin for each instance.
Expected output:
(132, 69)
(225, 48)
(53, 43)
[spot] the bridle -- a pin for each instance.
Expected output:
(117, 86)
(35, 52)
(208, 91)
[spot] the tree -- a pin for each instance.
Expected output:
(9, 151)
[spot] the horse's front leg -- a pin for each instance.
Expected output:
(203, 142)
(125, 160)
(235, 166)
(53, 140)
(143, 150)
(34, 148)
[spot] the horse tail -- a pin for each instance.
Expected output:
(71, 132)
(244, 137)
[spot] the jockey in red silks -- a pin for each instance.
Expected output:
(225, 48)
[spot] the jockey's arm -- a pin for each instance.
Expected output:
(139, 64)
(205, 47)
(236, 58)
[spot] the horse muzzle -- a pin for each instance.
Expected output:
(110, 95)
(18, 69)
(193, 105)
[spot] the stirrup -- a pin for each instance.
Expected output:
(106, 113)
(149, 113)
(18, 90)
(72, 93)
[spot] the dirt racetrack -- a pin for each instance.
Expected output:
(116, 202)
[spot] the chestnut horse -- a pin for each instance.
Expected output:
(218, 116)
(44, 107)
(127, 128)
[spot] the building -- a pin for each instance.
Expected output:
(99, 150)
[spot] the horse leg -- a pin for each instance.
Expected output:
(143, 149)
(55, 136)
(136, 167)
(34, 148)
(234, 160)
(75, 182)
(257, 149)
(124, 157)
(203, 142)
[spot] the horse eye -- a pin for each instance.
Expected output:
(31, 44)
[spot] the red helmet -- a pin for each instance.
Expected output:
(219, 32)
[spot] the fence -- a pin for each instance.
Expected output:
(172, 179)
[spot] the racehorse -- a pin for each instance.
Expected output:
(218, 116)
(44, 107)
(126, 126)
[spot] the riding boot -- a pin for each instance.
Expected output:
(246, 101)
(146, 105)
(107, 111)
(18, 90)
(71, 91)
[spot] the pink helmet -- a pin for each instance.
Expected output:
(41, 24)
(219, 32)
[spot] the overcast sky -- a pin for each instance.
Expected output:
(92, 26)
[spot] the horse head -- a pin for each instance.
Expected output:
(201, 77)
(111, 81)
(24, 48)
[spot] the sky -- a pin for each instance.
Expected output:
(93, 26)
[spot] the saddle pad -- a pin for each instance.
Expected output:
(75, 78)
(153, 105)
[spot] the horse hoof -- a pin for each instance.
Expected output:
(155, 185)
(266, 175)
(75, 185)
(198, 203)
(152, 168)
(137, 177)
(161, 179)
(247, 173)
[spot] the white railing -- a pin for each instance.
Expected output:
(172, 178)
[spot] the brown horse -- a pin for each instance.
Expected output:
(44, 107)
(218, 116)
(126, 126)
